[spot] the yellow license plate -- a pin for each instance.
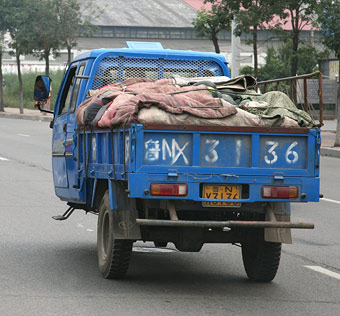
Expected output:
(221, 192)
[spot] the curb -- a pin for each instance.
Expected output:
(330, 152)
(26, 117)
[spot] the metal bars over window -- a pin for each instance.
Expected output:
(116, 69)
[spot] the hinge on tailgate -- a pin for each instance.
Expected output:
(133, 142)
(278, 176)
(318, 139)
(172, 173)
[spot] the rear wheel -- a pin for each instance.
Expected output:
(113, 254)
(261, 259)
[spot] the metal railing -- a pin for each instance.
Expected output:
(292, 87)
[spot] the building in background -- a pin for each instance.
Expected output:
(168, 22)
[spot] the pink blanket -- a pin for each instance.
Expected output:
(119, 103)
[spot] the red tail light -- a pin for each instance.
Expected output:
(279, 192)
(169, 189)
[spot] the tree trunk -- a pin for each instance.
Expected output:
(21, 91)
(255, 51)
(295, 59)
(337, 135)
(215, 42)
(295, 38)
(69, 54)
(2, 107)
(47, 62)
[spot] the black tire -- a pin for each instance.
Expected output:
(113, 254)
(261, 259)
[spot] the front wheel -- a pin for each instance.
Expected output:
(261, 259)
(113, 254)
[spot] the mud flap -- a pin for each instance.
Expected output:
(124, 213)
(278, 212)
(124, 224)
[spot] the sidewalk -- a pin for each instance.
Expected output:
(34, 115)
(328, 138)
(327, 131)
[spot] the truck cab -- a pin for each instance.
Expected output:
(100, 67)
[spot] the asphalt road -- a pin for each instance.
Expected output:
(50, 268)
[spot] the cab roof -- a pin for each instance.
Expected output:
(160, 53)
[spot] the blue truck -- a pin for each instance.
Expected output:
(188, 185)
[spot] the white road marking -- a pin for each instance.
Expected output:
(4, 159)
(330, 200)
(24, 135)
(324, 271)
(84, 227)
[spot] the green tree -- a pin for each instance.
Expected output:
(70, 20)
(4, 25)
(250, 17)
(300, 14)
(329, 18)
(45, 36)
(278, 61)
(19, 25)
(209, 23)
(2, 108)
(253, 15)
(73, 21)
(3, 28)
(250, 20)
(274, 67)
(247, 70)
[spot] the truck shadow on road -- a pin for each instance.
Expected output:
(172, 271)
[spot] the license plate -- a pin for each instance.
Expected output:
(221, 192)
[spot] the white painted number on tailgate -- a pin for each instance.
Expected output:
(292, 156)
(212, 156)
(272, 157)
(238, 151)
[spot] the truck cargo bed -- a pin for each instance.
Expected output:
(248, 157)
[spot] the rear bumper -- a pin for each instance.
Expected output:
(308, 188)
(227, 224)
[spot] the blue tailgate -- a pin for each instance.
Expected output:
(251, 157)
